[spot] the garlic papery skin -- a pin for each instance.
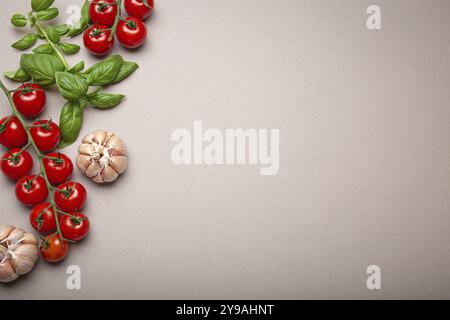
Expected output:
(102, 156)
(18, 252)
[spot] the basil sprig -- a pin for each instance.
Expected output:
(85, 88)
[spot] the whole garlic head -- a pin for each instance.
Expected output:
(102, 156)
(18, 252)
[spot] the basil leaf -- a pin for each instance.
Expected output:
(53, 34)
(41, 67)
(69, 48)
(62, 29)
(106, 100)
(19, 20)
(70, 122)
(20, 75)
(77, 68)
(26, 42)
(48, 14)
(43, 48)
(82, 23)
(126, 69)
(38, 5)
(105, 72)
(71, 87)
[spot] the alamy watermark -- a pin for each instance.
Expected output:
(374, 280)
(227, 147)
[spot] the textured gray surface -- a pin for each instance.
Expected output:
(364, 156)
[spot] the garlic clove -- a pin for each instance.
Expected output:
(7, 273)
(98, 179)
(93, 170)
(5, 231)
(100, 136)
(14, 238)
(119, 163)
(109, 174)
(83, 162)
(24, 258)
(29, 238)
(89, 138)
(86, 149)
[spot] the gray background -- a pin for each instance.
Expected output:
(364, 156)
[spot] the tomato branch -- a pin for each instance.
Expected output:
(40, 157)
(118, 17)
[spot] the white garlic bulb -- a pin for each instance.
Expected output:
(102, 156)
(18, 252)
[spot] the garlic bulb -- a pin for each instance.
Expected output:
(18, 252)
(102, 156)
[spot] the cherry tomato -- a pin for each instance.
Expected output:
(12, 133)
(139, 9)
(74, 227)
(16, 164)
(59, 168)
(96, 40)
(103, 12)
(54, 249)
(70, 196)
(42, 218)
(31, 190)
(46, 135)
(131, 32)
(29, 100)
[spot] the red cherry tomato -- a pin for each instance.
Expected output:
(42, 218)
(12, 133)
(58, 167)
(29, 100)
(131, 32)
(54, 249)
(70, 197)
(31, 190)
(74, 227)
(16, 164)
(96, 40)
(46, 135)
(103, 12)
(139, 9)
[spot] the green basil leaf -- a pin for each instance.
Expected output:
(105, 72)
(48, 14)
(77, 68)
(72, 87)
(19, 20)
(53, 34)
(69, 48)
(106, 100)
(38, 5)
(43, 48)
(70, 122)
(26, 42)
(62, 29)
(83, 23)
(126, 69)
(41, 67)
(20, 75)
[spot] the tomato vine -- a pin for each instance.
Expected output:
(51, 189)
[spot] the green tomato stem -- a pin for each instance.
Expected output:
(116, 22)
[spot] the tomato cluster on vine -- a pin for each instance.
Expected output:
(105, 15)
(60, 220)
